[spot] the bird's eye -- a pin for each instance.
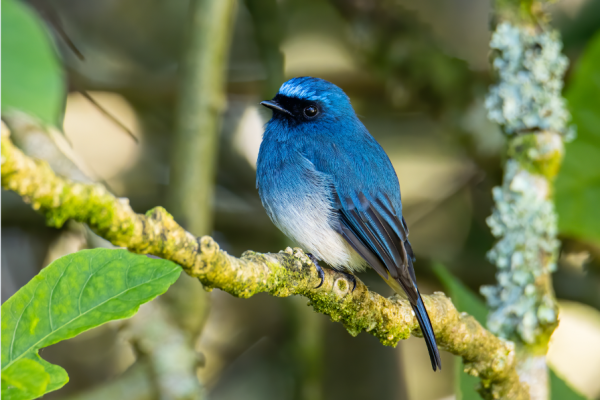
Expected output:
(311, 111)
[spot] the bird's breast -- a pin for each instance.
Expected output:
(297, 198)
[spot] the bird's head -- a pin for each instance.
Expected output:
(307, 100)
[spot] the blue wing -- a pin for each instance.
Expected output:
(365, 196)
(373, 228)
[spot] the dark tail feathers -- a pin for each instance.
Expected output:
(428, 335)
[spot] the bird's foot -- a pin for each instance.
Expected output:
(351, 278)
(319, 269)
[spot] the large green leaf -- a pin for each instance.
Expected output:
(578, 183)
(73, 294)
(466, 301)
(32, 78)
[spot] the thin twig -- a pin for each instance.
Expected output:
(108, 115)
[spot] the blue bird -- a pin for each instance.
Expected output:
(328, 185)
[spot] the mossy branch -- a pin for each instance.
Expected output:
(280, 274)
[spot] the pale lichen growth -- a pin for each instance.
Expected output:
(525, 221)
(527, 103)
(530, 67)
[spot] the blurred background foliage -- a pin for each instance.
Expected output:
(416, 73)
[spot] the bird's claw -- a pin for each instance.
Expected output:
(319, 269)
(321, 273)
(351, 278)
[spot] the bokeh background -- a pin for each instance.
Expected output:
(417, 74)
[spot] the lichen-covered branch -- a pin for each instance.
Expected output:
(526, 101)
(282, 274)
(46, 143)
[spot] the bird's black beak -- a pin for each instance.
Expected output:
(273, 105)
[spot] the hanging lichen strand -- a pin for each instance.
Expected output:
(527, 103)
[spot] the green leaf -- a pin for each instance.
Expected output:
(466, 301)
(58, 376)
(578, 182)
(32, 78)
(73, 294)
(25, 379)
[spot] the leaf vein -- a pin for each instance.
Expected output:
(52, 294)
(87, 281)
(12, 343)
(127, 275)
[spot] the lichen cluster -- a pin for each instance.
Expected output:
(530, 69)
(525, 221)
(527, 103)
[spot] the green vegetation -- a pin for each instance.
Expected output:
(32, 77)
(578, 182)
(75, 293)
(88, 288)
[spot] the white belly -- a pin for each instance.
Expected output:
(307, 218)
(298, 199)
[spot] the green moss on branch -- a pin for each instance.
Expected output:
(280, 274)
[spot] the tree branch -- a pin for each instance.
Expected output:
(526, 102)
(282, 274)
(201, 101)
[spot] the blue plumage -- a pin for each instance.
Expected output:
(327, 184)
